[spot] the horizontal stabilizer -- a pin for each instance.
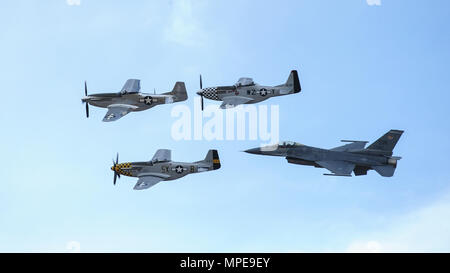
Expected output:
(341, 168)
(385, 170)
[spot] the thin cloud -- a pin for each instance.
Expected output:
(184, 28)
(73, 2)
(365, 247)
(373, 2)
(427, 229)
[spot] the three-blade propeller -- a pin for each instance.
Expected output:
(87, 104)
(116, 174)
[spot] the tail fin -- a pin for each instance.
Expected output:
(385, 144)
(294, 82)
(212, 157)
(178, 91)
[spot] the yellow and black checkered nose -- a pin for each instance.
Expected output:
(118, 168)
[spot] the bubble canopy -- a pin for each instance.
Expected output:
(289, 144)
(245, 82)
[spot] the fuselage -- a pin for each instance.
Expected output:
(257, 92)
(142, 101)
(307, 155)
(169, 170)
(317, 154)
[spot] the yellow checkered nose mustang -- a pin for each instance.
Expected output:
(162, 168)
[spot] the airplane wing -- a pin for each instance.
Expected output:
(162, 155)
(355, 145)
(147, 181)
(338, 167)
(116, 111)
(233, 101)
(131, 86)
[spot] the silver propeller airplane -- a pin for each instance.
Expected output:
(162, 168)
(246, 91)
(342, 160)
(130, 99)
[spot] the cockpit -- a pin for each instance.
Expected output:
(244, 82)
(288, 144)
(123, 92)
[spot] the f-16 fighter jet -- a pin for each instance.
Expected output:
(162, 168)
(342, 160)
(130, 99)
(245, 91)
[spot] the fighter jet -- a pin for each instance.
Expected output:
(130, 99)
(162, 168)
(342, 160)
(246, 91)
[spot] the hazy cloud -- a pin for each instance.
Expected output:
(73, 2)
(365, 247)
(183, 27)
(373, 2)
(426, 229)
(73, 246)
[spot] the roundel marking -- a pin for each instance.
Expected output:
(263, 92)
(179, 169)
(148, 100)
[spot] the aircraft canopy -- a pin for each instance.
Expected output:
(245, 82)
(289, 143)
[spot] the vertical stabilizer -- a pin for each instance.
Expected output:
(212, 157)
(294, 82)
(385, 144)
(178, 92)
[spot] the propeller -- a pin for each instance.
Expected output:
(201, 87)
(87, 104)
(116, 174)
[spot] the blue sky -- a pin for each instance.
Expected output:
(364, 69)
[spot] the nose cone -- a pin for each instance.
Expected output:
(200, 92)
(256, 151)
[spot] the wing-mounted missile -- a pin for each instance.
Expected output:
(332, 174)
